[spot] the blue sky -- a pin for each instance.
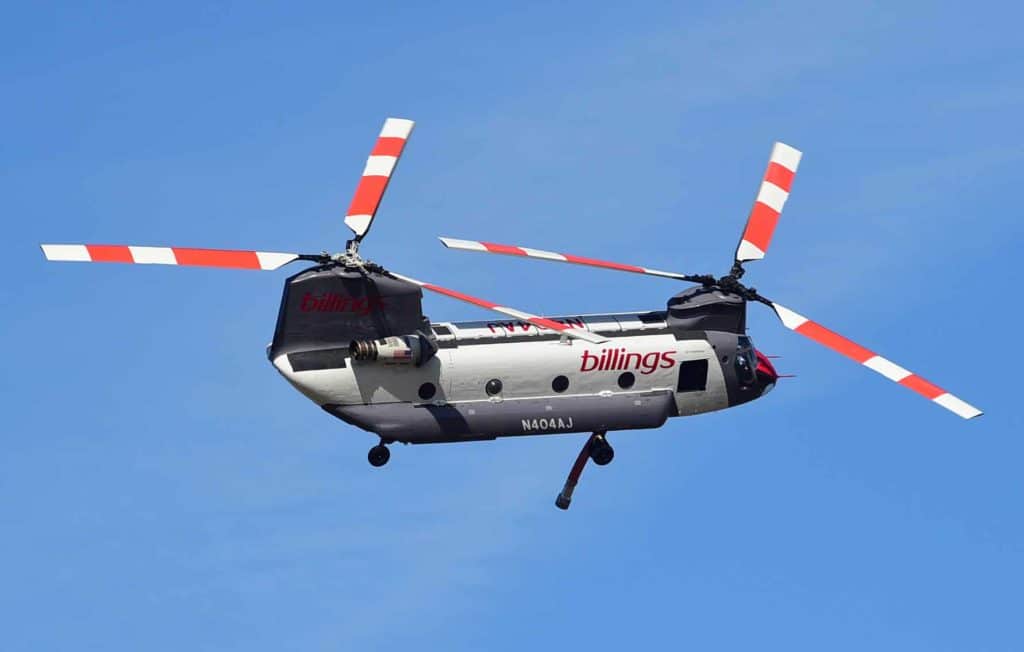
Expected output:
(165, 489)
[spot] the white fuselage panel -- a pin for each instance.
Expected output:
(640, 356)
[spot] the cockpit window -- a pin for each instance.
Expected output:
(746, 361)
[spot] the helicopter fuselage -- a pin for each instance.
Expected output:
(491, 379)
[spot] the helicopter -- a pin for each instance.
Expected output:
(352, 337)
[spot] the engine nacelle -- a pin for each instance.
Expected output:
(395, 350)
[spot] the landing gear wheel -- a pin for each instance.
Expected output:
(601, 451)
(379, 455)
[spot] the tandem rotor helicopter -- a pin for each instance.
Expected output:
(352, 337)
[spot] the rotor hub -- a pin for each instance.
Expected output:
(731, 284)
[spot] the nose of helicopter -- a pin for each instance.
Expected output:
(766, 374)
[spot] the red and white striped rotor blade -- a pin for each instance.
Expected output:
(226, 258)
(513, 250)
(832, 340)
(379, 167)
(540, 322)
(771, 197)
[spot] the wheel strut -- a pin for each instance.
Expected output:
(596, 442)
(600, 450)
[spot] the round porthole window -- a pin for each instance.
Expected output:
(493, 387)
(626, 380)
(427, 391)
(560, 384)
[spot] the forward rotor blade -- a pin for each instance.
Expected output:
(771, 197)
(513, 250)
(539, 322)
(227, 258)
(873, 361)
(376, 174)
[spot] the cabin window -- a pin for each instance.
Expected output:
(493, 387)
(693, 376)
(427, 391)
(626, 380)
(560, 384)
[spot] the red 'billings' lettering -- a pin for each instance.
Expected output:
(622, 360)
(330, 302)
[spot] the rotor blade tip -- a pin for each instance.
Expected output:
(787, 155)
(397, 128)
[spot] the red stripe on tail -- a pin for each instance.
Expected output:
(458, 295)
(110, 254)
(835, 341)
(780, 176)
(503, 249)
(368, 195)
(388, 146)
(761, 226)
(602, 263)
(217, 258)
(922, 386)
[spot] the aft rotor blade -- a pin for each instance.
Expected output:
(227, 258)
(830, 339)
(539, 322)
(771, 197)
(379, 167)
(514, 250)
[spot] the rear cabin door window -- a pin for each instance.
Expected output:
(693, 376)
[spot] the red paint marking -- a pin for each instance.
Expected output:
(761, 225)
(503, 249)
(458, 295)
(109, 254)
(548, 323)
(922, 386)
(217, 258)
(388, 146)
(602, 263)
(765, 366)
(835, 341)
(780, 176)
(368, 195)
